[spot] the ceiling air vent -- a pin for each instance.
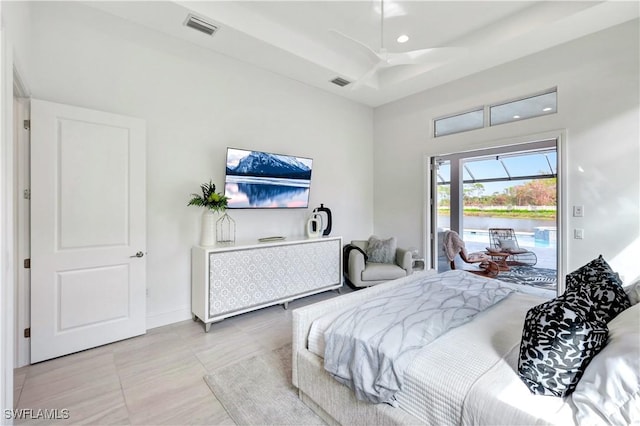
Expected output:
(340, 81)
(200, 25)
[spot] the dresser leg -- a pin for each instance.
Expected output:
(207, 327)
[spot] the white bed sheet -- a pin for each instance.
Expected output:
(500, 397)
(315, 341)
(440, 379)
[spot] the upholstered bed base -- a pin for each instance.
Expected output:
(339, 404)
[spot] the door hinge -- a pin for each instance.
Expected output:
(26, 194)
(27, 263)
(27, 333)
(26, 124)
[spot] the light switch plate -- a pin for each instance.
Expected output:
(578, 234)
(578, 211)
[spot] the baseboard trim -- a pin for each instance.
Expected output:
(166, 318)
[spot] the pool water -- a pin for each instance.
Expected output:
(525, 239)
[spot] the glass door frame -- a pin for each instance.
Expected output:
(528, 143)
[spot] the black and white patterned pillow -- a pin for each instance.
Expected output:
(594, 272)
(602, 286)
(579, 299)
(558, 342)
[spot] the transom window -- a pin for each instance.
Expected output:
(530, 106)
(533, 106)
(460, 123)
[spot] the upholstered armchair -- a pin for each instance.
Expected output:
(374, 261)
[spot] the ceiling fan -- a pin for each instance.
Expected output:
(385, 59)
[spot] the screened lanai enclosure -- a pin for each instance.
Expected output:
(513, 189)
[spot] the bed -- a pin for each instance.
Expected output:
(468, 375)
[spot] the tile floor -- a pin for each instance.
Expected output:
(156, 378)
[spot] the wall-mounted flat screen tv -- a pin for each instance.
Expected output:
(256, 179)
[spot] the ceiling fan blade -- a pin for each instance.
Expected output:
(372, 53)
(367, 75)
(424, 56)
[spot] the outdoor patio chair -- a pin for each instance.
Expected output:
(504, 240)
(454, 246)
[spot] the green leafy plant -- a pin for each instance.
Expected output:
(210, 198)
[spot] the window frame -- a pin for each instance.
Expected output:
(520, 99)
(467, 111)
(486, 112)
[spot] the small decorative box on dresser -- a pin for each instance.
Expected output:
(233, 279)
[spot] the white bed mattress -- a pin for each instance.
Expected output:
(315, 342)
(434, 393)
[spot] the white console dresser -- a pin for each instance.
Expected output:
(228, 280)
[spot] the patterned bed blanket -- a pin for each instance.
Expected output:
(368, 348)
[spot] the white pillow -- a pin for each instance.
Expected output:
(609, 391)
(633, 291)
(506, 245)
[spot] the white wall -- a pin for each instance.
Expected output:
(6, 230)
(16, 18)
(197, 103)
(598, 105)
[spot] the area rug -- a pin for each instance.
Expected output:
(530, 275)
(258, 391)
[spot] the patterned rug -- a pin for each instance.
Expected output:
(258, 391)
(530, 275)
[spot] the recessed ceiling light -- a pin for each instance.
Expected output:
(403, 38)
(547, 109)
(516, 116)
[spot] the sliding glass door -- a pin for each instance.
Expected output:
(513, 187)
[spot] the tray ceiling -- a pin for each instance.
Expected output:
(294, 38)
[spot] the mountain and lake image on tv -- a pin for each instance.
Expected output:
(256, 179)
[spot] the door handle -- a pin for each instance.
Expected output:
(138, 254)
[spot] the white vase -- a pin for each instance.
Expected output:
(208, 231)
(314, 225)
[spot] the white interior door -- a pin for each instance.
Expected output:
(87, 225)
